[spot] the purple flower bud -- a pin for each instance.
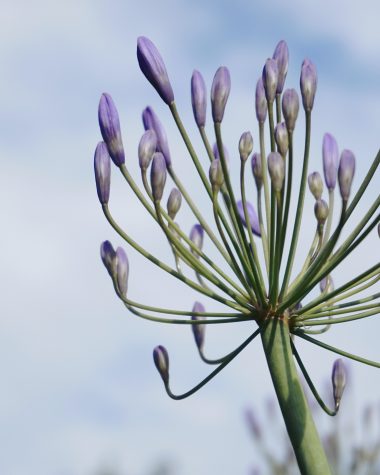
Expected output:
(220, 90)
(338, 378)
(199, 329)
(257, 169)
(174, 202)
(161, 360)
(290, 108)
(151, 121)
(308, 83)
(102, 168)
(282, 138)
(330, 156)
(147, 147)
(122, 270)
(215, 151)
(158, 176)
(321, 211)
(281, 55)
(153, 68)
(261, 102)
(196, 236)
(315, 185)
(253, 219)
(216, 174)
(198, 98)
(108, 255)
(245, 145)
(110, 128)
(346, 173)
(326, 285)
(270, 79)
(276, 167)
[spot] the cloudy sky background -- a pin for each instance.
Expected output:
(79, 389)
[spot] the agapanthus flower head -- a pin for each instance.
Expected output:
(257, 169)
(151, 121)
(161, 360)
(198, 98)
(252, 216)
(315, 184)
(276, 169)
(330, 155)
(102, 168)
(282, 138)
(220, 90)
(153, 68)
(158, 175)
(270, 79)
(122, 270)
(147, 147)
(308, 83)
(338, 378)
(261, 102)
(199, 330)
(245, 145)
(290, 108)
(346, 173)
(174, 202)
(281, 55)
(110, 128)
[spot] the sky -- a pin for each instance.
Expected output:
(79, 388)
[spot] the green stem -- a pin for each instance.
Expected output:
(301, 429)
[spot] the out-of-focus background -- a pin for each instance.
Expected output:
(79, 392)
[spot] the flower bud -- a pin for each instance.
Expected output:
(326, 285)
(308, 83)
(122, 270)
(321, 211)
(245, 145)
(151, 121)
(147, 147)
(346, 173)
(153, 68)
(196, 236)
(216, 174)
(257, 169)
(290, 108)
(174, 202)
(281, 55)
(199, 329)
(215, 151)
(253, 219)
(282, 138)
(261, 102)
(102, 168)
(198, 98)
(270, 79)
(315, 185)
(110, 128)
(108, 255)
(338, 378)
(220, 90)
(330, 155)
(276, 167)
(158, 176)
(161, 360)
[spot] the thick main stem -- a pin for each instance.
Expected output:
(299, 423)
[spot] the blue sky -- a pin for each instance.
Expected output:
(79, 386)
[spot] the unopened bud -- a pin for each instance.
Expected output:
(330, 155)
(147, 147)
(122, 270)
(245, 145)
(252, 216)
(261, 102)
(108, 255)
(174, 202)
(110, 128)
(276, 167)
(315, 185)
(338, 378)
(215, 151)
(281, 55)
(198, 98)
(321, 211)
(153, 68)
(158, 176)
(151, 121)
(326, 285)
(290, 108)
(308, 83)
(220, 90)
(102, 168)
(216, 174)
(346, 173)
(282, 138)
(199, 329)
(257, 169)
(161, 360)
(196, 236)
(270, 79)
